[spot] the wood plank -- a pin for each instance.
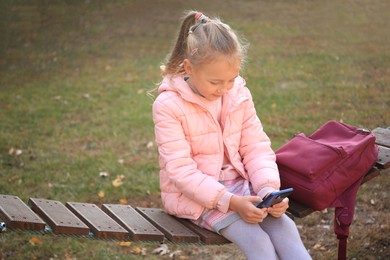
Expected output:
(383, 160)
(299, 210)
(18, 215)
(206, 236)
(97, 220)
(382, 136)
(58, 217)
(172, 229)
(138, 227)
(374, 172)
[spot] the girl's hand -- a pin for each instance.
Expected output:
(279, 209)
(248, 212)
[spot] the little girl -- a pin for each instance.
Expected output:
(216, 162)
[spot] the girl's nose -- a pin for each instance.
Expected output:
(227, 86)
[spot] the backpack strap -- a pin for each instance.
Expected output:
(343, 216)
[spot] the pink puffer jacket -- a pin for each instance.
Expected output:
(191, 145)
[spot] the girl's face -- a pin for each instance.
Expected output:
(213, 79)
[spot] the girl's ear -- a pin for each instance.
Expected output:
(187, 67)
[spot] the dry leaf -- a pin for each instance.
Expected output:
(121, 161)
(11, 151)
(18, 152)
(123, 201)
(101, 194)
(35, 241)
(138, 251)
(174, 254)
(118, 180)
(149, 145)
(69, 257)
(318, 246)
(161, 250)
(124, 244)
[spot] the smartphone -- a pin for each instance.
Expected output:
(274, 198)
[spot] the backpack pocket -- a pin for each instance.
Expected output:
(308, 158)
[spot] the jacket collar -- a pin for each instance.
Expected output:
(179, 85)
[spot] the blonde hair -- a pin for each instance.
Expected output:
(201, 40)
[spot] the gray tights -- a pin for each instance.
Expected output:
(270, 239)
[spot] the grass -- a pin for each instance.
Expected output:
(74, 77)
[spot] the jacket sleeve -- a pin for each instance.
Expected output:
(258, 157)
(175, 158)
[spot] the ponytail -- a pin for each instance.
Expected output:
(200, 40)
(174, 65)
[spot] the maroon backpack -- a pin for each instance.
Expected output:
(326, 170)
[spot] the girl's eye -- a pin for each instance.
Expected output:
(213, 83)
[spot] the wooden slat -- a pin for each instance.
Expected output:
(299, 210)
(18, 215)
(58, 217)
(383, 160)
(206, 236)
(382, 136)
(374, 172)
(97, 220)
(138, 227)
(172, 229)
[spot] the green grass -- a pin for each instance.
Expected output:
(74, 77)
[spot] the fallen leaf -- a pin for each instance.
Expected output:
(149, 145)
(121, 161)
(18, 152)
(118, 180)
(138, 250)
(35, 241)
(101, 194)
(161, 250)
(123, 201)
(11, 151)
(174, 254)
(318, 246)
(69, 256)
(124, 244)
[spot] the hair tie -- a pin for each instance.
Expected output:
(201, 18)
